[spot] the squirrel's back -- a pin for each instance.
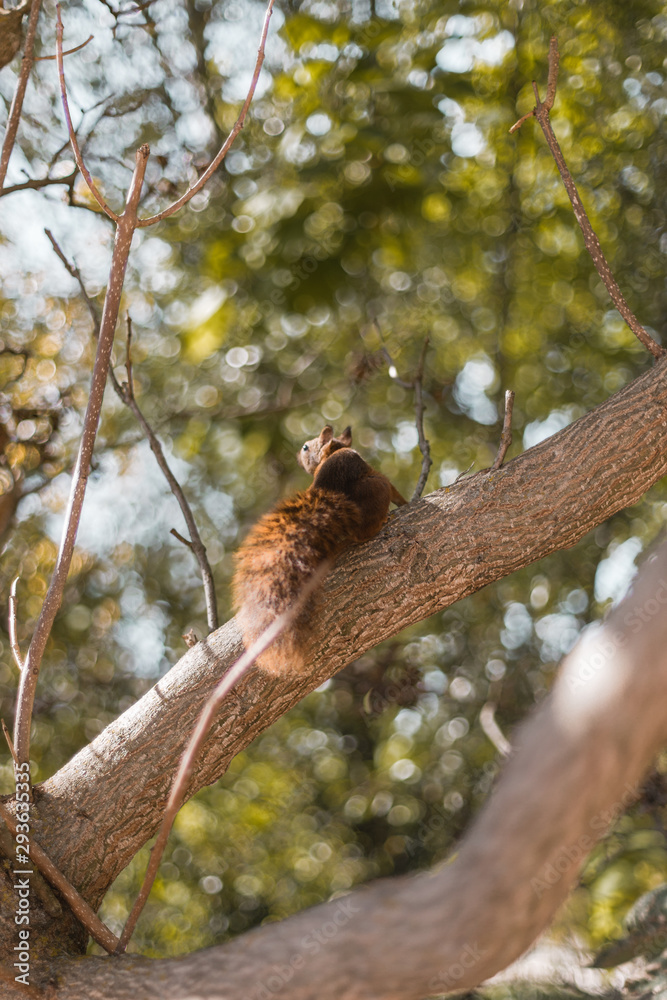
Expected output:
(348, 502)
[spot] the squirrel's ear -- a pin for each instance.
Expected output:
(346, 437)
(326, 434)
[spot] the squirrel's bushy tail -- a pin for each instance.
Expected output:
(277, 559)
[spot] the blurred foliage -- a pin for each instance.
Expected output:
(374, 196)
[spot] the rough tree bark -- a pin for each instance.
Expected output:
(578, 765)
(95, 813)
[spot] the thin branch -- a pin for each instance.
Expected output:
(506, 436)
(462, 474)
(67, 52)
(424, 446)
(36, 184)
(491, 729)
(13, 638)
(10, 742)
(134, 10)
(238, 125)
(72, 134)
(181, 538)
(80, 908)
(591, 242)
(196, 543)
(200, 732)
(76, 274)
(416, 386)
(123, 240)
(19, 93)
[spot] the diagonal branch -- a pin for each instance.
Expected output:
(68, 118)
(578, 765)
(124, 233)
(591, 242)
(224, 149)
(431, 554)
(19, 93)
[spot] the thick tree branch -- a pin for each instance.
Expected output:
(578, 765)
(107, 801)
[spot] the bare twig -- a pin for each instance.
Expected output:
(416, 386)
(462, 474)
(181, 538)
(67, 52)
(76, 274)
(13, 638)
(124, 233)
(9, 740)
(80, 908)
(21, 84)
(506, 436)
(36, 184)
(190, 638)
(541, 113)
(196, 543)
(238, 125)
(204, 723)
(72, 134)
(491, 729)
(424, 446)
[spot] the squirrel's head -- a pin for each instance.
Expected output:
(318, 449)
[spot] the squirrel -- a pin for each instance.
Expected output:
(347, 503)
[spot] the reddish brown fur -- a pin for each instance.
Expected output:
(348, 502)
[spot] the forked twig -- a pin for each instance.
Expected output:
(200, 732)
(591, 242)
(21, 84)
(67, 52)
(85, 173)
(506, 436)
(80, 908)
(238, 125)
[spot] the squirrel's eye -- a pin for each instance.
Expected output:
(305, 448)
